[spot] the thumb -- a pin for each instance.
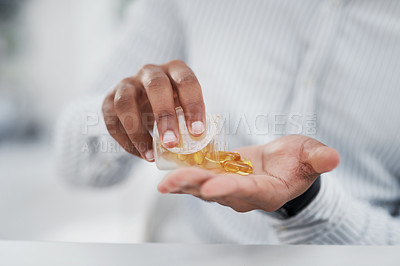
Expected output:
(323, 159)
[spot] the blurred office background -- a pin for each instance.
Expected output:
(50, 51)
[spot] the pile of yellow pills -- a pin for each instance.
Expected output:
(207, 158)
(206, 151)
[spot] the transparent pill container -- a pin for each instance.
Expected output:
(206, 151)
(191, 151)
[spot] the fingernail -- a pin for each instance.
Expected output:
(149, 155)
(197, 127)
(169, 137)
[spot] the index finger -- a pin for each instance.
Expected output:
(185, 177)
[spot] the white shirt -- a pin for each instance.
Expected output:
(327, 69)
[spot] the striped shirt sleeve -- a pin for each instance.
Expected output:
(334, 217)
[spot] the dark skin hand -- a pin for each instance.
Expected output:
(283, 169)
(152, 94)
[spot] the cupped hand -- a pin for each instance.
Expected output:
(283, 170)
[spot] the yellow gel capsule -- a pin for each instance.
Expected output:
(190, 161)
(208, 164)
(237, 167)
(248, 162)
(210, 156)
(230, 166)
(182, 157)
(235, 156)
(244, 173)
(198, 157)
(222, 156)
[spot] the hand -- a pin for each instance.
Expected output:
(152, 94)
(283, 170)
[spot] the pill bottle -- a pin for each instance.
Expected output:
(191, 151)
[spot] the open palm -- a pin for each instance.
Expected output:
(283, 170)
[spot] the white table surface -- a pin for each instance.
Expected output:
(77, 254)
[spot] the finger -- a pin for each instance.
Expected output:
(190, 95)
(114, 126)
(147, 114)
(189, 191)
(127, 109)
(320, 157)
(229, 184)
(324, 159)
(160, 93)
(238, 205)
(184, 178)
(193, 180)
(256, 189)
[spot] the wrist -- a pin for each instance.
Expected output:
(296, 205)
